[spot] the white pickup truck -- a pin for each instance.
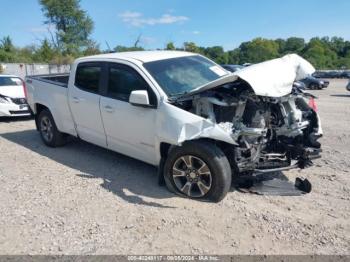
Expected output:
(197, 122)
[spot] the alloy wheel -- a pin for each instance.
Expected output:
(192, 176)
(46, 129)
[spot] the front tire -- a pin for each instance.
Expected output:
(49, 133)
(198, 170)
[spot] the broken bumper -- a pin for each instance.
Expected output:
(305, 161)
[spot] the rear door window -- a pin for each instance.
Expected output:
(88, 77)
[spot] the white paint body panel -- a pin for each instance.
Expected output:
(130, 129)
(85, 108)
(55, 98)
(275, 78)
(139, 131)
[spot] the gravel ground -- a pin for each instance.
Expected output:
(82, 199)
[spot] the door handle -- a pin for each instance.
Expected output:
(109, 109)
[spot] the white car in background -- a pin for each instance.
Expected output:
(13, 100)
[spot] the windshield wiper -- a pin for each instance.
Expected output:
(175, 97)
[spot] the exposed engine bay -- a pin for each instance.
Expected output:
(271, 133)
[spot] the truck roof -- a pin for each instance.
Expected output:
(142, 56)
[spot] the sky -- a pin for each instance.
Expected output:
(206, 22)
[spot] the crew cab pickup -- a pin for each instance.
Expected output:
(180, 111)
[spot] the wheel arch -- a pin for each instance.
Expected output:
(226, 148)
(38, 108)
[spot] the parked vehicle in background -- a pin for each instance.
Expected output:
(315, 83)
(197, 122)
(332, 74)
(321, 74)
(13, 97)
(232, 68)
(345, 74)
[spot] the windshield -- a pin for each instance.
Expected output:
(10, 81)
(181, 75)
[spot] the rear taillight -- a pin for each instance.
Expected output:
(312, 104)
(25, 90)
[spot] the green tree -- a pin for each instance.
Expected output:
(45, 53)
(60, 59)
(191, 47)
(120, 48)
(343, 62)
(92, 49)
(281, 45)
(258, 50)
(338, 45)
(170, 46)
(72, 25)
(6, 44)
(217, 54)
(7, 50)
(293, 45)
(320, 54)
(25, 54)
(6, 57)
(233, 56)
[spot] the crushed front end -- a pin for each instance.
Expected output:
(271, 133)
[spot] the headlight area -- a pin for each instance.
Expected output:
(13, 107)
(3, 100)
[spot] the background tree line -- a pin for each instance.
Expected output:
(70, 27)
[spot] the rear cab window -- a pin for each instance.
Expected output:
(88, 76)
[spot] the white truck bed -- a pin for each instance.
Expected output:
(52, 90)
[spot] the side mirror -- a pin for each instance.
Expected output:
(139, 98)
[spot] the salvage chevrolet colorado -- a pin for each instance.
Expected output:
(197, 122)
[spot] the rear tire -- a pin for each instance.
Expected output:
(49, 133)
(198, 170)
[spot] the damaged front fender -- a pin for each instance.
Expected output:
(177, 126)
(268, 122)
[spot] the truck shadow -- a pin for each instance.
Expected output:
(125, 177)
(5, 119)
(128, 178)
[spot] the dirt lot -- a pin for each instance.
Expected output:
(82, 199)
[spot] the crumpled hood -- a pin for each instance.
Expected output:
(275, 78)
